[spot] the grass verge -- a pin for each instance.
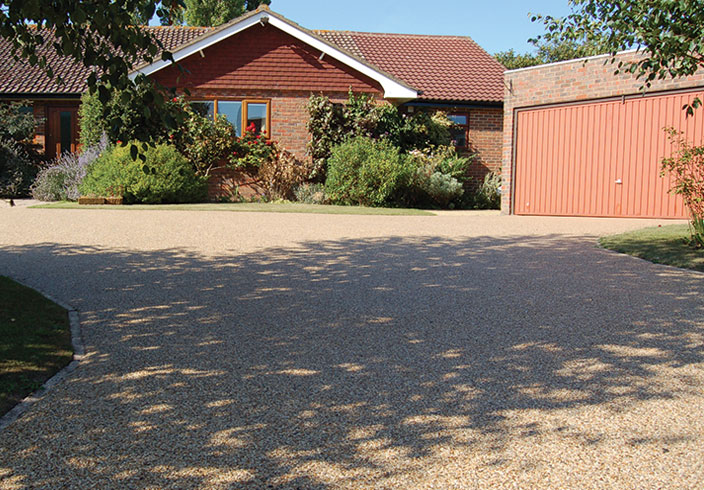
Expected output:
(662, 245)
(35, 341)
(292, 207)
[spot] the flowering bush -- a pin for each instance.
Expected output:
(59, 181)
(251, 150)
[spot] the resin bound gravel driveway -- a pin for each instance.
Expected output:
(257, 350)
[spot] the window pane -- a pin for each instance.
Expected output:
(204, 107)
(459, 137)
(256, 113)
(232, 110)
(458, 119)
(65, 130)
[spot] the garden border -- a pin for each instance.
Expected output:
(79, 353)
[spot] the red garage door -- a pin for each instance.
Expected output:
(601, 158)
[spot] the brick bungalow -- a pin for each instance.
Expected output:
(261, 68)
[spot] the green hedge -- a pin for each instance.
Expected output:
(366, 171)
(165, 177)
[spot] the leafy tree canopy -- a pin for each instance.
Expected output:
(217, 12)
(550, 51)
(669, 32)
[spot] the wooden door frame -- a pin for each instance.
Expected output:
(53, 128)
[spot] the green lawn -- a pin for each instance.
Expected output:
(288, 207)
(663, 245)
(35, 341)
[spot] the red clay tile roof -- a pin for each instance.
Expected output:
(18, 77)
(442, 67)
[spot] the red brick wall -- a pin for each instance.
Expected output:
(265, 57)
(485, 137)
(569, 81)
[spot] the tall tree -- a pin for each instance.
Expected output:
(217, 12)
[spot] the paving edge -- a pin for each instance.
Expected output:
(79, 353)
(672, 268)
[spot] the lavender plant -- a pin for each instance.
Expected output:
(59, 181)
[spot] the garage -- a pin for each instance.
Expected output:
(599, 157)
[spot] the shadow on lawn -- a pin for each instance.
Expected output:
(355, 357)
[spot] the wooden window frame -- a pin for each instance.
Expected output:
(464, 126)
(245, 103)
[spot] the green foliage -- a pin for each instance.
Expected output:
(18, 155)
(437, 178)
(90, 33)
(16, 169)
(16, 123)
(206, 143)
(331, 124)
(669, 32)
(310, 193)
(512, 60)
(91, 119)
(550, 50)
(488, 194)
(213, 13)
(60, 181)
(165, 177)
(686, 167)
(365, 171)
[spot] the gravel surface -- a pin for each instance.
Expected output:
(466, 350)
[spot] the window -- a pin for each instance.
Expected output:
(460, 133)
(241, 113)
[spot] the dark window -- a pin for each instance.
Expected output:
(460, 132)
(65, 131)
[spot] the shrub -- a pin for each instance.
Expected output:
(488, 194)
(16, 169)
(252, 150)
(443, 189)
(60, 180)
(90, 119)
(18, 156)
(331, 124)
(310, 193)
(207, 143)
(687, 170)
(164, 177)
(365, 171)
(438, 177)
(281, 174)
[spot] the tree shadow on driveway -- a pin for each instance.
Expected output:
(345, 363)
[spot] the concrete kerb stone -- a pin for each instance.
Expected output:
(79, 353)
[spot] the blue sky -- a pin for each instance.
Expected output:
(496, 25)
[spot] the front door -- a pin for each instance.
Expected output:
(62, 130)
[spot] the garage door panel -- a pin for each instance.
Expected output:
(600, 159)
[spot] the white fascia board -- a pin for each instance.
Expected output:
(392, 89)
(199, 45)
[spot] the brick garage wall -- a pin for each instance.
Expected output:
(485, 138)
(569, 81)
